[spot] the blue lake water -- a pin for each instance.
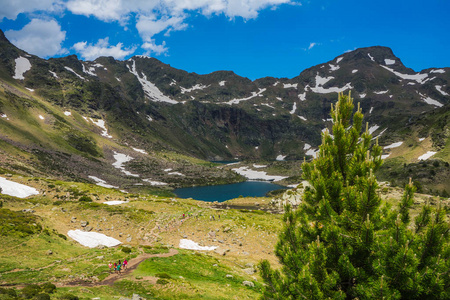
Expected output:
(225, 192)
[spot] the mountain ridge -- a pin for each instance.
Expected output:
(144, 103)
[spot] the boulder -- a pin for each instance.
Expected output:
(250, 271)
(248, 283)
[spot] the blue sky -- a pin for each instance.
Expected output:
(253, 38)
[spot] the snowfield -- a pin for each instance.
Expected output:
(426, 155)
(92, 239)
(15, 189)
(101, 182)
(254, 94)
(152, 92)
(191, 245)
(22, 65)
(71, 70)
(393, 145)
(114, 202)
(257, 175)
(120, 160)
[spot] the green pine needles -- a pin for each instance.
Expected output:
(341, 243)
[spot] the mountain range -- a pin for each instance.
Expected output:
(142, 124)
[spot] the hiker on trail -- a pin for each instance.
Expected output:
(115, 267)
(125, 264)
(110, 265)
(118, 267)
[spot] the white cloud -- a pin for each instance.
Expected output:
(106, 10)
(311, 45)
(116, 10)
(102, 48)
(151, 47)
(10, 9)
(40, 37)
(148, 26)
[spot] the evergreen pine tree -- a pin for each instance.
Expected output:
(341, 243)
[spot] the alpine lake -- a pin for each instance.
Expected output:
(221, 193)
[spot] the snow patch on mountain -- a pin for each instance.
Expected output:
(339, 59)
(15, 189)
(371, 57)
(439, 88)
(254, 94)
(152, 92)
(294, 108)
(441, 71)
(373, 128)
(191, 245)
(426, 155)
(120, 160)
(139, 150)
(380, 92)
(321, 90)
(430, 101)
(153, 182)
(71, 70)
(334, 67)
(280, 157)
(312, 152)
(322, 80)
(393, 145)
(388, 61)
(290, 85)
(54, 74)
(302, 97)
(92, 239)
(257, 175)
(101, 123)
(222, 83)
(22, 65)
(354, 71)
(89, 70)
(195, 87)
(417, 77)
(101, 182)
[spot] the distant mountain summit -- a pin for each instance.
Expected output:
(217, 116)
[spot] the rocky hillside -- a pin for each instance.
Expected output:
(134, 122)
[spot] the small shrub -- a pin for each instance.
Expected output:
(163, 275)
(42, 297)
(62, 236)
(30, 291)
(162, 281)
(68, 297)
(85, 199)
(8, 293)
(48, 287)
(126, 250)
